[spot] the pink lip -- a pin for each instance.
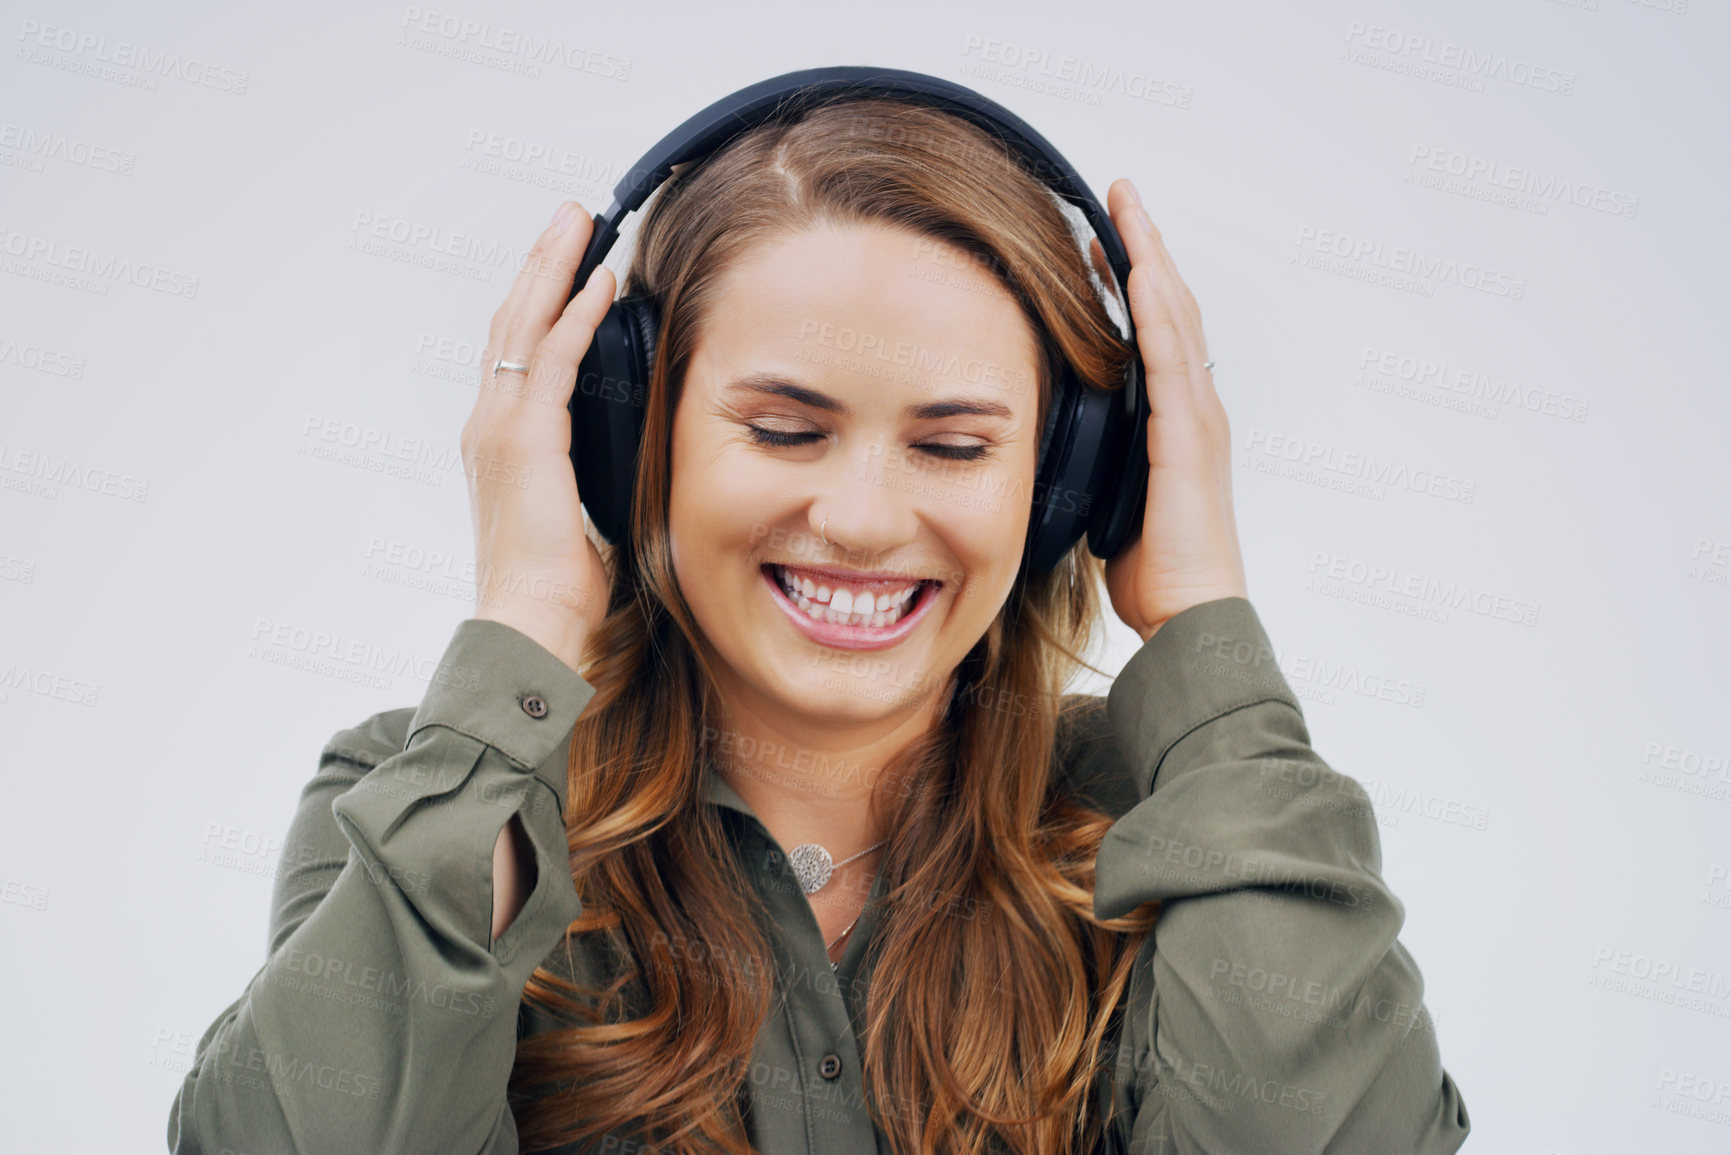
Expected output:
(849, 637)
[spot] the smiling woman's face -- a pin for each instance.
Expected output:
(879, 379)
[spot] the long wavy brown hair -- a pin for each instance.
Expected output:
(979, 1033)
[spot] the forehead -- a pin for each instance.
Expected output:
(871, 305)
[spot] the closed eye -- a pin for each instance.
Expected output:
(777, 439)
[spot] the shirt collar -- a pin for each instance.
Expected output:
(718, 791)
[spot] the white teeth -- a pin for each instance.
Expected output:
(843, 606)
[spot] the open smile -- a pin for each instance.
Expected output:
(847, 610)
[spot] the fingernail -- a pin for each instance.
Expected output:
(1134, 195)
(1147, 221)
(562, 218)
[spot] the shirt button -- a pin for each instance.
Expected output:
(830, 1067)
(535, 706)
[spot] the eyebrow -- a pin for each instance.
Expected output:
(773, 385)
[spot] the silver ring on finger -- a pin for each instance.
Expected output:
(1208, 364)
(509, 367)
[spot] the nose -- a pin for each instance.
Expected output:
(861, 509)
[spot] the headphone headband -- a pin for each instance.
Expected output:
(711, 129)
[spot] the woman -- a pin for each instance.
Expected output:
(772, 828)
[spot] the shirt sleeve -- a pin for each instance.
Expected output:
(1273, 1008)
(385, 1016)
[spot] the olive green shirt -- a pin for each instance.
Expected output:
(1272, 1010)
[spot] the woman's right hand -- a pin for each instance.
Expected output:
(535, 568)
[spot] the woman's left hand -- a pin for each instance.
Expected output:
(1188, 550)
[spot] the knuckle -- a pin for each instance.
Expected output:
(469, 443)
(557, 267)
(519, 331)
(489, 452)
(549, 353)
(563, 339)
(499, 327)
(475, 430)
(1142, 293)
(491, 435)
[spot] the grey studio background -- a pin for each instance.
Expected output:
(1462, 267)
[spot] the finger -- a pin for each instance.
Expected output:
(550, 269)
(509, 428)
(1182, 298)
(515, 398)
(1166, 350)
(1176, 348)
(1187, 317)
(1141, 232)
(560, 352)
(537, 298)
(519, 286)
(527, 303)
(1141, 239)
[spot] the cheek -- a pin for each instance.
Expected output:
(986, 534)
(722, 496)
(722, 504)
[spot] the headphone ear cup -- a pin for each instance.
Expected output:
(1054, 413)
(1121, 496)
(1051, 529)
(1062, 497)
(607, 409)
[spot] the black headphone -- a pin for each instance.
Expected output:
(1092, 472)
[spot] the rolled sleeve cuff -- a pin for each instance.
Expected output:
(1204, 662)
(492, 682)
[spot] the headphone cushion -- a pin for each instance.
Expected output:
(643, 321)
(1061, 387)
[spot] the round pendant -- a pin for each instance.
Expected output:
(811, 865)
